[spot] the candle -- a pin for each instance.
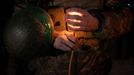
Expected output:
(75, 47)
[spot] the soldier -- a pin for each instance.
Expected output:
(90, 55)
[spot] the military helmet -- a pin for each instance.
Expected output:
(28, 33)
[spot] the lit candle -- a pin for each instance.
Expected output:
(74, 48)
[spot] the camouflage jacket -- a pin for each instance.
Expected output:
(93, 60)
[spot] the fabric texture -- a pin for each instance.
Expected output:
(93, 59)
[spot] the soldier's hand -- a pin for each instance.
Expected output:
(65, 41)
(80, 20)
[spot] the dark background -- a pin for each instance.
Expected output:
(6, 9)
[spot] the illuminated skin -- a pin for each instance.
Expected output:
(77, 20)
(74, 20)
(82, 19)
(65, 41)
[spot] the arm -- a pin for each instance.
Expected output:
(112, 23)
(117, 22)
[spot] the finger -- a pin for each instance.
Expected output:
(73, 28)
(79, 10)
(65, 40)
(78, 21)
(73, 23)
(66, 47)
(60, 44)
(81, 23)
(68, 43)
(75, 13)
(74, 17)
(71, 38)
(79, 29)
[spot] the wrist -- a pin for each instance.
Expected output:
(101, 24)
(99, 20)
(93, 24)
(99, 32)
(96, 24)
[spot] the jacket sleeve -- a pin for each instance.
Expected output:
(117, 22)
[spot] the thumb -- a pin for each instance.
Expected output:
(71, 38)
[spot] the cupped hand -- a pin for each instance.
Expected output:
(65, 41)
(80, 20)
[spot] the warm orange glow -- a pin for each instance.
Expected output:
(75, 13)
(74, 20)
(72, 26)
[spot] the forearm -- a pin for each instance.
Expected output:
(117, 22)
